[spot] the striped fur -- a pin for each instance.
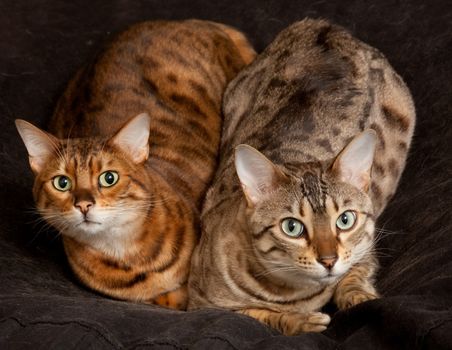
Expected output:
(306, 103)
(175, 72)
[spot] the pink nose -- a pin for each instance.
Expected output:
(84, 206)
(328, 261)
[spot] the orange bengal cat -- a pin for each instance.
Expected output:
(133, 147)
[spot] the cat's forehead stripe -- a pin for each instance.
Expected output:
(82, 153)
(314, 190)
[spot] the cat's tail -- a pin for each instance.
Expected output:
(241, 42)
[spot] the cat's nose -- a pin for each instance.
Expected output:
(328, 261)
(83, 200)
(84, 206)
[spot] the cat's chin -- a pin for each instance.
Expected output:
(89, 227)
(330, 278)
(323, 279)
(85, 229)
(303, 277)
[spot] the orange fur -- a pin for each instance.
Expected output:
(175, 72)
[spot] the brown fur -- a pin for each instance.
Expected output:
(329, 115)
(176, 72)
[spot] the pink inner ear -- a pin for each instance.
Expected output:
(355, 177)
(354, 163)
(258, 175)
(40, 144)
(360, 181)
(133, 138)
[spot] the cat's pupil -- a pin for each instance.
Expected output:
(109, 178)
(344, 219)
(62, 182)
(291, 225)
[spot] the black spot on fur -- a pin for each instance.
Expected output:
(188, 103)
(115, 265)
(395, 119)
(138, 278)
(376, 191)
(276, 82)
(393, 167)
(377, 74)
(203, 43)
(262, 109)
(325, 143)
(347, 99)
(322, 38)
(149, 85)
(151, 63)
(172, 78)
(378, 168)
(284, 54)
(403, 147)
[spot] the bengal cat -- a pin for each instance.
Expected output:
(315, 137)
(132, 149)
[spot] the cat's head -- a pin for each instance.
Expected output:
(316, 223)
(89, 187)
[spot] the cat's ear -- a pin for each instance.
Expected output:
(133, 138)
(40, 144)
(354, 163)
(257, 174)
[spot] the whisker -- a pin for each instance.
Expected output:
(280, 269)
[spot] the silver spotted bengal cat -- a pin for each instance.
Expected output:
(315, 138)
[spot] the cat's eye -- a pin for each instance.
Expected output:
(292, 227)
(62, 183)
(346, 220)
(108, 178)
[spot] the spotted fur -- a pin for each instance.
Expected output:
(330, 124)
(134, 240)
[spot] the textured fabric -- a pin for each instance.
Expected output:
(42, 44)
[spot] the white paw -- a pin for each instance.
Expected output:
(296, 323)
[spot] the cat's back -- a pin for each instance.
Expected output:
(312, 89)
(179, 65)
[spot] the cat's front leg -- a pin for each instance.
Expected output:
(290, 323)
(356, 287)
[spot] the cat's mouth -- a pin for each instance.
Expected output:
(86, 222)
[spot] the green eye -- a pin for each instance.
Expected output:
(346, 220)
(62, 183)
(108, 179)
(292, 227)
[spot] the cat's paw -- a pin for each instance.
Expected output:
(354, 298)
(176, 299)
(295, 323)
